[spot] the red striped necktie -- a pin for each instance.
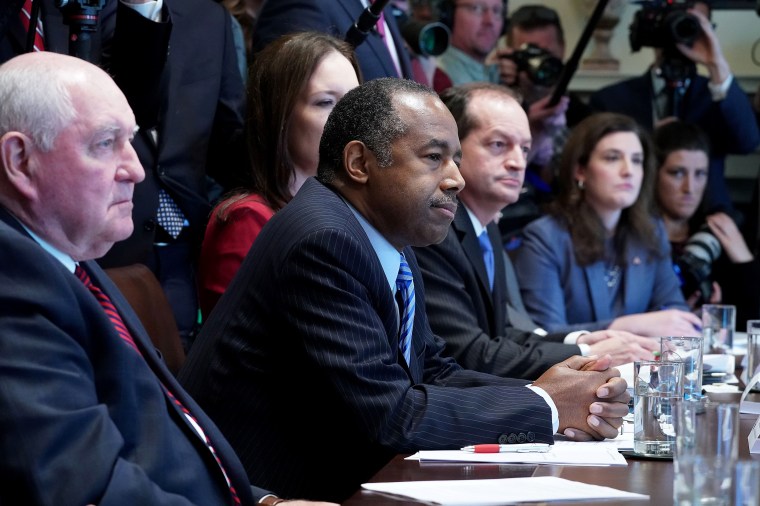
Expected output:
(121, 329)
(26, 14)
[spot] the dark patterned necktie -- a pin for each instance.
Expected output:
(121, 329)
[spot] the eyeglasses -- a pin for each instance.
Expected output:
(480, 9)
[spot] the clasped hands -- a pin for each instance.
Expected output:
(590, 396)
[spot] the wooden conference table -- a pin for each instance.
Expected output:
(651, 477)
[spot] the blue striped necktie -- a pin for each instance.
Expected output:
(405, 286)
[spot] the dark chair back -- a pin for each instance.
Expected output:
(142, 290)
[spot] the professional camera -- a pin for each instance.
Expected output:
(663, 23)
(424, 38)
(542, 68)
(694, 266)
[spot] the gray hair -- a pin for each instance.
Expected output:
(36, 101)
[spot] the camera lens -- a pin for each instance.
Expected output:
(427, 39)
(684, 28)
(703, 245)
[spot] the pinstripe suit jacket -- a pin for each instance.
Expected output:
(83, 417)
(472, 318)
(311, 307)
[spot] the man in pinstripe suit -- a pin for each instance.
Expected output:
(472, 313)
(313, 306)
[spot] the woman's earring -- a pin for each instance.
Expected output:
(580, 184)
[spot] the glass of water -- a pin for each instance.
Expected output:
(658, 385)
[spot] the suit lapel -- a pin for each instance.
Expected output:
(136, 330)
(469, 241)
(499, 292)
(597, 288)
(635, 254)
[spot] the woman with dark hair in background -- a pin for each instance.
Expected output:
(709, 253)
(295, 83)
(600, 259)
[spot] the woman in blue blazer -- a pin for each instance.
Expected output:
(601, 259)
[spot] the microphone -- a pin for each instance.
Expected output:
(365, 22)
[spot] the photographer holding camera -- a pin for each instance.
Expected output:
(710, 256)
(532, 63)
(683, 38)
(475, 27)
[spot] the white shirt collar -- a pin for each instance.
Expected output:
(479, 228)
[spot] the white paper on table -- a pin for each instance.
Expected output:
(500, 491)
(565, 454)
(623, 442)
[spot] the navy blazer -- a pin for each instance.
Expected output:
(83, 417)
(299, 362)
(472, 318)
(334, 17)
(564, 296)
(729, 123)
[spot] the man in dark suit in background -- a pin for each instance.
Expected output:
(466, 274)
(382, 54)
(330, 300)
(89, 413)
(189, 105)
(716, 103)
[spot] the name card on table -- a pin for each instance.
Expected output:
(754, 438)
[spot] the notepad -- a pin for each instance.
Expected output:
(500, 491)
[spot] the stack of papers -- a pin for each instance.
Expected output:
(500, 491)
(562, 453)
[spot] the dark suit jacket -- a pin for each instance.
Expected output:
(199, 126)
(83, 418)
(299, 362)
(730, 123)
(334, 17)
(470, 317)
(192, 93)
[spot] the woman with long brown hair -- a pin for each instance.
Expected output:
(293, 85)
(601, 258)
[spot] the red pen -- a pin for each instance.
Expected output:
(513, 448)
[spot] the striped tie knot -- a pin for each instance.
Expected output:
(405, 286)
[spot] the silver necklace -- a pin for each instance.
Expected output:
(612, 276)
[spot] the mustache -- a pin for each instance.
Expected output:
(443, 200)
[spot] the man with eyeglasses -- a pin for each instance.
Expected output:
(475, 28)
